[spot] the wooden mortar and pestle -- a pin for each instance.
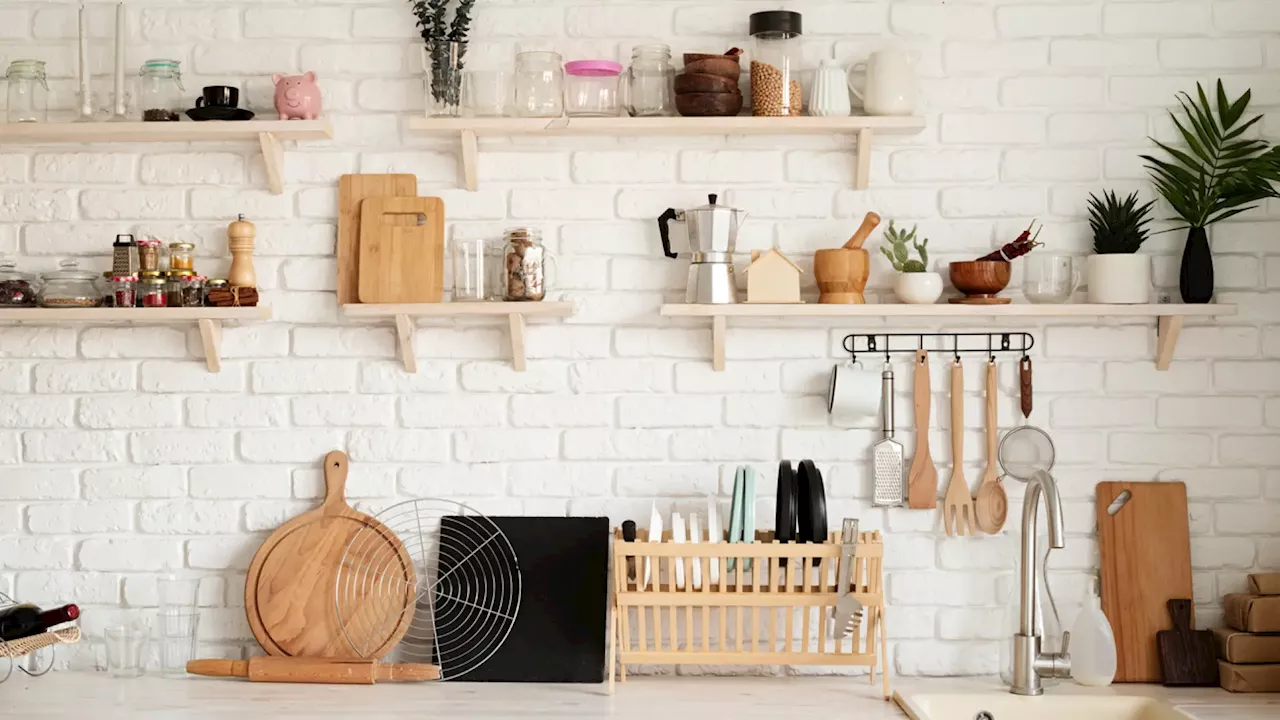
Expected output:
(842, 272)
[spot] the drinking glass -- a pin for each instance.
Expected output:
(1050, 279)
(486, 93)
(178, 593)
(177, 632)
(126, 649)
(471, 273)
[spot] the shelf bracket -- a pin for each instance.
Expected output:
(518, 360)
(1167, 331)
(470, 159)
(273, 156)
(719, 328)
(404, 343)
(862, 171)
(211, 338)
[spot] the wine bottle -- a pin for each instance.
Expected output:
(21, 621)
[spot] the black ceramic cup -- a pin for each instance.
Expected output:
(219, 96)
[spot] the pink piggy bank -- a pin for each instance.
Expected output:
(297, 96)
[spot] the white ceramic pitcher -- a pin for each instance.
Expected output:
(891, 87)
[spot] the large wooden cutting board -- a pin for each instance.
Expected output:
(1146, 561)
(292, 594)
(399, 262)
(352, 190)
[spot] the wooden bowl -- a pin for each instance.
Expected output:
(709, 104)
(980, 281)
(842, 275)
(726, 66)
(705, 83)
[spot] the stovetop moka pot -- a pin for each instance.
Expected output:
(713, 234)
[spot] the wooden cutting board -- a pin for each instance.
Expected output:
(1145, 542)
(352, 190)
(289, 594)
(1187, 656)
(402, 263)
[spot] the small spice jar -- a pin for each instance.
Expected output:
(149, 255)
(153, 292)
(17, 289)
(524, 264)
(182, 256)
(124, 291)
(192, 289)
(160, 91)
(173, 285)
(211, 285)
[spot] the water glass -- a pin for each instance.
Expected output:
(486, 93)
(178, 593)
(1050, 279)
(126, 649)
(177, 632)
(471, 272)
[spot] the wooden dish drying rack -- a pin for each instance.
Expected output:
(745, 617)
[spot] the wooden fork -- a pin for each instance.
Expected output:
(957, 505)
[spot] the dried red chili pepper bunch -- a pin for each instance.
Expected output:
(1025, 243)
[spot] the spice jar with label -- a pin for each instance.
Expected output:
(124, 291)
(182, 256)
(149, 255)
(17, 289)
(524, 264)
(153, 292)
(70, 287)
(211, 285)
(173, 285)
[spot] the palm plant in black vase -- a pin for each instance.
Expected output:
(446, 45)
(1220, 174)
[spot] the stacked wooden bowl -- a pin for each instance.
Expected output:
(708, 87)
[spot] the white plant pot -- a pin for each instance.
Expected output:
(922, 288)
(1120, 279)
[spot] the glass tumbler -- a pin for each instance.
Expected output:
(178, 593)
(1050, 279)
(486, 93)
(177, 632)
(471, 275)
(126, 649)
(539, 84)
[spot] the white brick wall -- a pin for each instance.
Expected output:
(123, 457)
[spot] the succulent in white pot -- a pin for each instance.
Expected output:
(1118, 273)
(915, 284)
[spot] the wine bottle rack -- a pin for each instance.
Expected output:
(15, 650)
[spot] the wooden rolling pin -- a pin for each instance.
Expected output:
(315, 670)
(869, 223)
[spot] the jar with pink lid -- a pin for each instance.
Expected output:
(591, 88)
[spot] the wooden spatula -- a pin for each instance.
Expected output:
(922, 481)
(957, 505)
(1187, 657)
(991, 505)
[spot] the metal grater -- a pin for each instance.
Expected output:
(890, 489)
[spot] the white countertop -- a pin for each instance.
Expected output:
(94, 695)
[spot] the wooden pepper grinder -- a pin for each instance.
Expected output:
(240, 235)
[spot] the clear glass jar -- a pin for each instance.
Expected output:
(124, 291)
(149, 255)
(28, 91)
(17, 289)
(649, 85)
(214, 284)
(182, 256)
(539, 84)
(153, 292)
(192, 289)
(591, 88)
(70, 287)
(775, 63)
(160, 91)
(524, 265)
(173, 285)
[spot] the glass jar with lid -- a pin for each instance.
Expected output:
(591, 88)
(160, 91)
(539, 84)
(649, 85)
(124, 291)
(182, 256)
(211, 285)
(152, 293)
(70, 287)
(776, 55)
(28, 91)
(17, 289)
(191, 288)
(149, 255)
(525, 265)
(174, 281)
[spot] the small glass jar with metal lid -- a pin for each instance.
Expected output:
(153, 292)
(70, 287)
(182, 256)
(524, 265)
(211, 285)
(174, 280)
(776, 57)
(160, 91)
(28, 92)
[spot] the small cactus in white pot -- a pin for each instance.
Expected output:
(915, 284)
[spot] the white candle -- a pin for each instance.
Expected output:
(119, 79)
(86, 101)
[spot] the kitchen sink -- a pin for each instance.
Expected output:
(1004, 706)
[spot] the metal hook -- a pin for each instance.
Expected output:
(955, 346)
(991, 355)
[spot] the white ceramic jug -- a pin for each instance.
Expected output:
(830, 96)
(891, 87)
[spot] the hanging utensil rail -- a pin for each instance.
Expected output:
(870, 343)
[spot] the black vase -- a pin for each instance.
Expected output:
(1196, 277)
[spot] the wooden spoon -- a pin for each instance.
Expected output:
(922, 481)
(869, 223)
(992, 505)
(957, 505)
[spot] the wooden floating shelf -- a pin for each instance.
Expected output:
(208, 320)
(1170, 316)
(865, 127)
(515, 312)
(267, 133)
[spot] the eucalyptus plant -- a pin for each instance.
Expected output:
(446, 47)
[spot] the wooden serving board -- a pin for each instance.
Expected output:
(289, 594)
(352, 190)
(1146, 561)
(400, 262)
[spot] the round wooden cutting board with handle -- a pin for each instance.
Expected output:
(289, 594)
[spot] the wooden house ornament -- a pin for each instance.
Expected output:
(772, 278)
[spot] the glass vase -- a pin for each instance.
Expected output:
(442, 62)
